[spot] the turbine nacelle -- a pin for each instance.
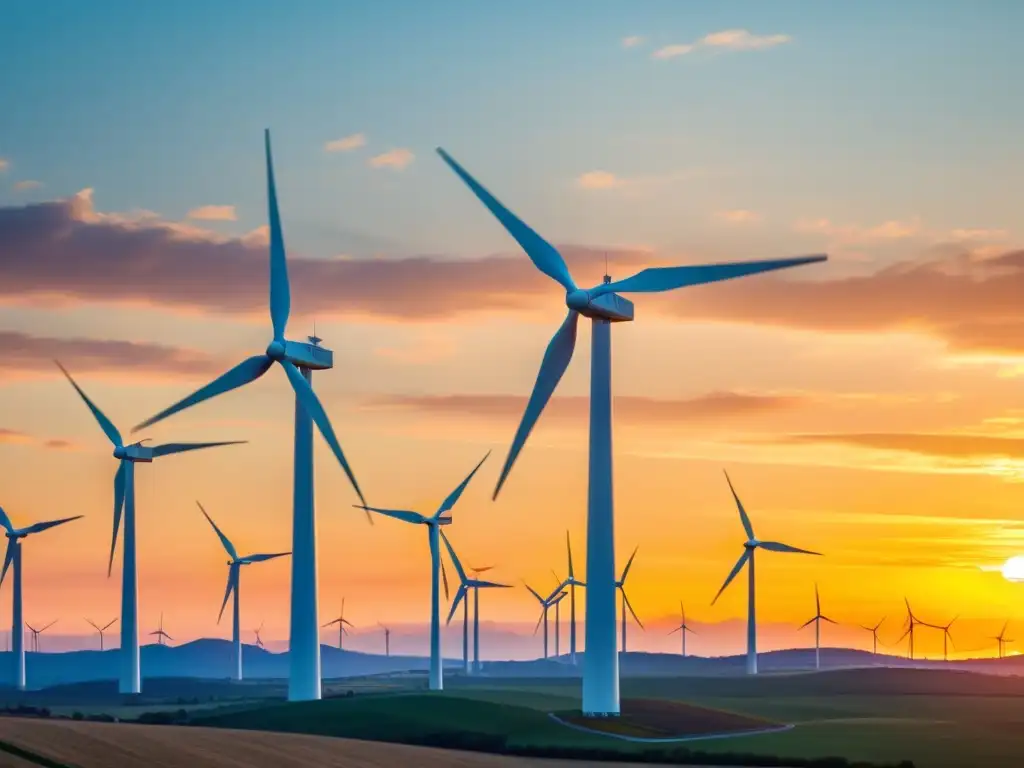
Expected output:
(134, 452)
(607, 306)
(751, 544)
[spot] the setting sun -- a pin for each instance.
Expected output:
(1013, 569)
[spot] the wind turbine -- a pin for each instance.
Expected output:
(13, 557)
(341, 621)
(299, 360)
(911, 622)
(37, 632)
(816, 619)
(747, 558)
(387, 639)
(124, 498)
(874, 635)
(234, 584)
(603, 306)
(476, 618)
(259, 640)
(621, 586)
(571, 582)
(555, 600)
(947, 637)
(102, 629)
(461, 595)
(433, 524)
(544, 605)
(1002, 639)
(683, 627)
(160, 634)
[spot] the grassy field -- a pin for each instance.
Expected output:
(660, 719)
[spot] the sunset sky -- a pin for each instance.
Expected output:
(870, 408)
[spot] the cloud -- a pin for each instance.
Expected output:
(22, 354)
(393, 158)
(854, 234)
(672, 51)
(4, 165)
(953, 446)
(346, 144)
(598, 180)
(632, 41)
(13, 436)
(727, 39)
(213, 213)
(738, 216)
(26, 184)
(715, 406)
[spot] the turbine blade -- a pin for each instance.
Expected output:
(169, 449)
(8, 558)
(552, 367)
(486, 584)
(280, 293)
(48, 626)
(807, 623)
(119, 490)
(444, 576)
(398, 514)
(747, 527)
(830, 621)
(657, 279)
(568, 549)
(732, 574)
(304, 392)
(109, 624)
(105, 424)
(817, 600)
(675, 630)
(5, 521)
(461, 593)
(232, 583)
(224, 540)
(539, 620)
(533, 592)
(544, 255)
(629, 564)
(775, 546)
(455, 495)
(330, 623)
(262, 558)
(245, 372)
(37, 527)
(455, 559)
(629, 605)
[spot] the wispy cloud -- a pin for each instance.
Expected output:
(855, 234)
(954, 446)
(727, 39)
(738, 216)
(213, 213)
(346, 144)
(598, 180)
(632, 41)
(26, 184)
(393, 158)
(13, 436)
(4, 164)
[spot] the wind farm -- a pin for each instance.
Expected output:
(813, 299)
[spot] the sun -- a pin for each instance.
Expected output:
(1013, 569)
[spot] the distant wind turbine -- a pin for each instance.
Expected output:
(571, 582)
(259, 640)
(341, 621)
(13, 557)
(477, 664)
(37, 632)
(747, 558)
(947, 637)
(433, 523)
(603, 306)
(911, 623)
(621, 586)
(816, 619)
(102, 629)
(683, 627)
(1002, 639)
(298, 359)
(556, 601)
(874, 635)
(124, 498)
(544, 605)
(234, 585)
(387, 639)
(160, 634)
(462, 595)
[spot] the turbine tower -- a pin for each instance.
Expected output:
(461, 595)
(387, 639)
(102, 629)
(556, 599)
(910, 624)
(1002, 639)
(234, 584)
(341, 621)
(571, 582)
(476, 618)
(874, 635)
(259, 640)
(947, 638)
(160, 634)
(433, 524)
(13, 557)
(37, 632)
(747, 558)
(603, 306)
(621, 586)
(544, 605)
(124, 499)
(683, 627)
(299, 360)
(816, 619)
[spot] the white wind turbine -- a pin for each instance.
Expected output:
(100, 630)
(298, 360)
(816, 620)
(13, 558)
(433, 524)
(603, 306)
(621, 586)
(159, 632)
(124, 499)
(342, 622)
(37, 632)
(234, 583)
(545, 604)
(555, 599)
(747, 559)
(683, 627)
(571, 582)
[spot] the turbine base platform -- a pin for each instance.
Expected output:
(311, 356)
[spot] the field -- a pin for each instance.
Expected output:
(660, 719)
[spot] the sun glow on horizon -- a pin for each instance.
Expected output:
(1013, 569)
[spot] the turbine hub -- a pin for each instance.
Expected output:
(578, 299)
(120, 452)
(275, 351)
(751, 544)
